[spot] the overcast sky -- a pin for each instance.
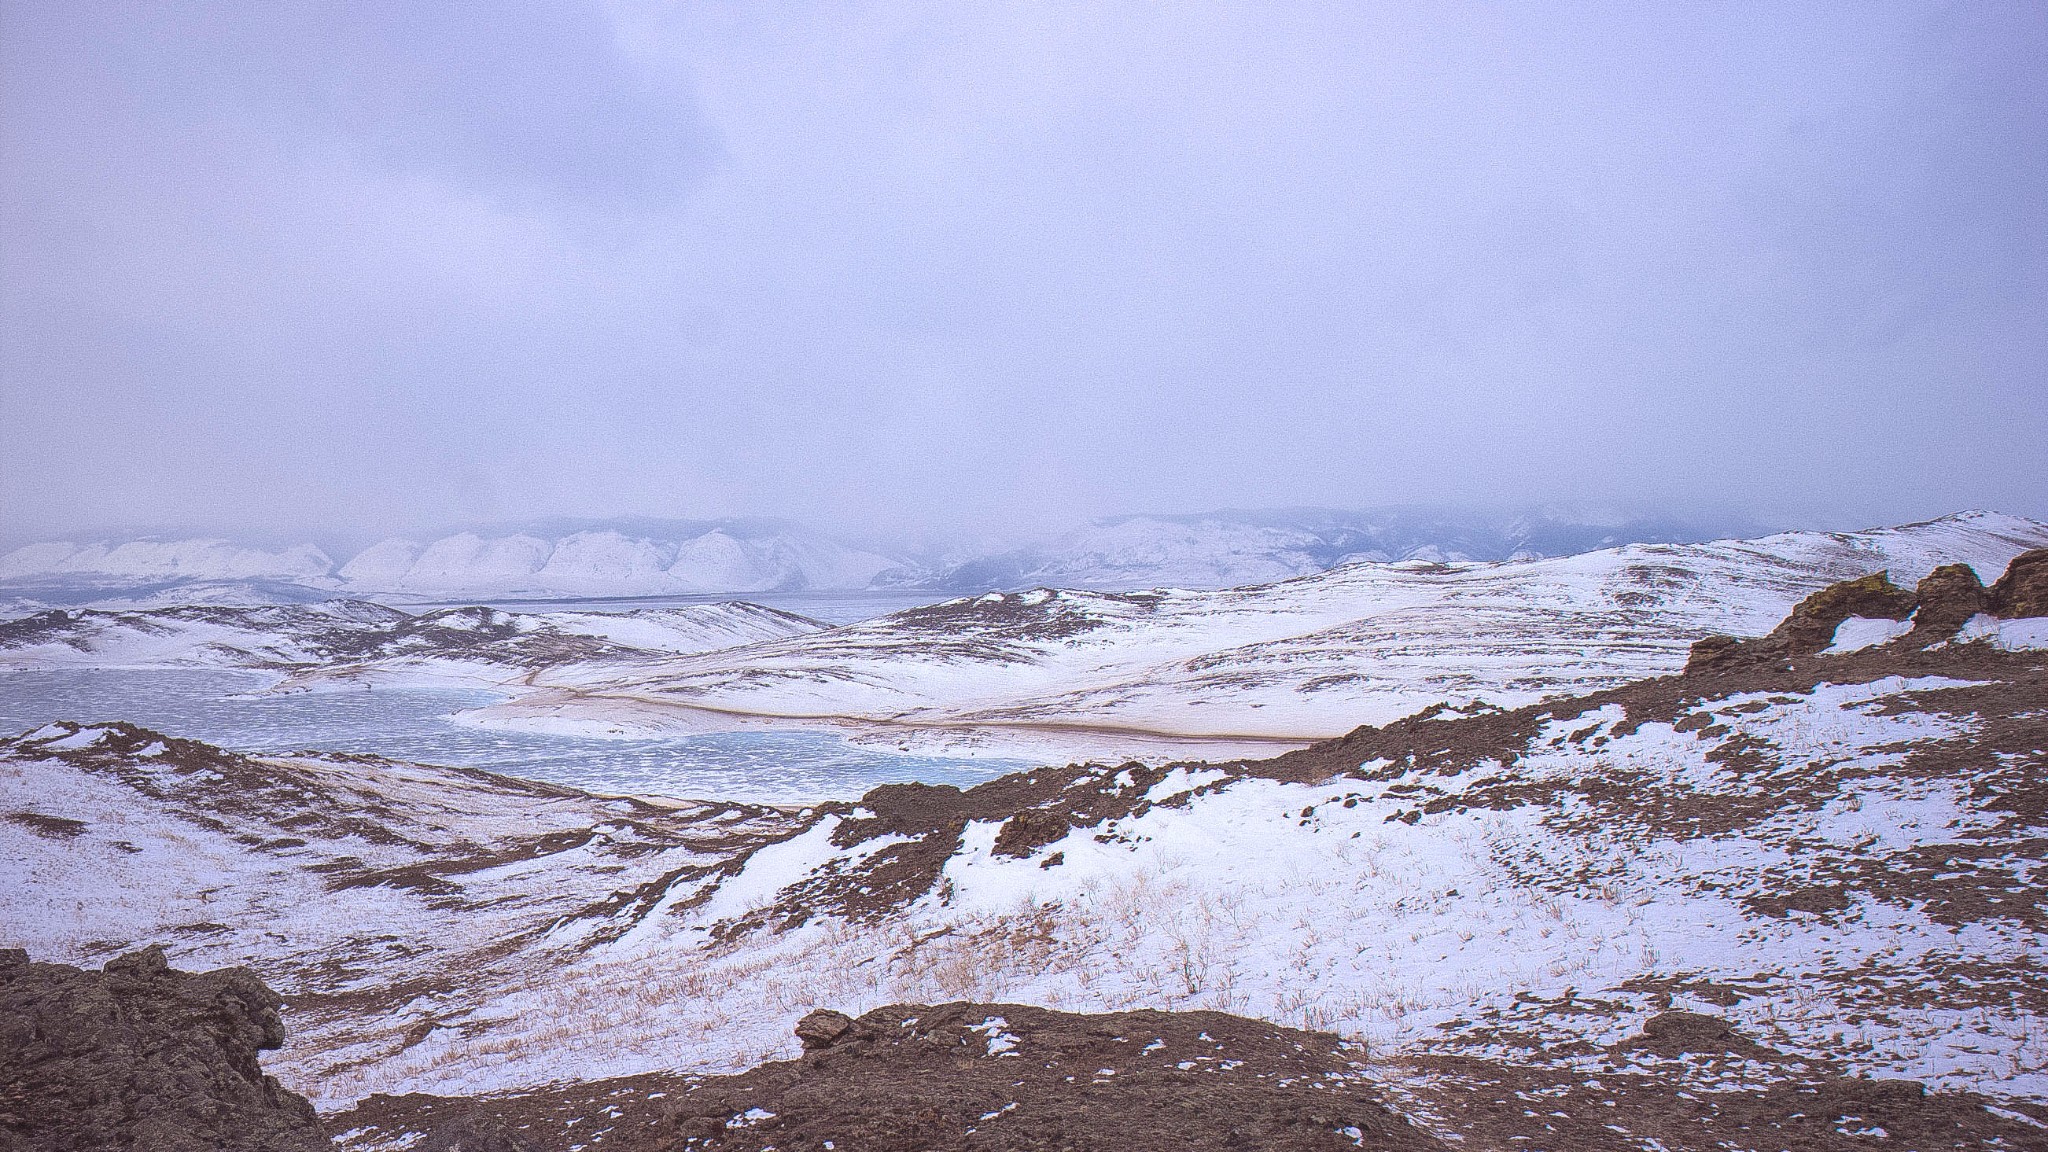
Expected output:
(373, 266)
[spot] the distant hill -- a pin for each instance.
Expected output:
(566, 559)
(1231, 549)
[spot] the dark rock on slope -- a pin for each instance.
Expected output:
(988, 1077)
(1811, 626)
(1939, 606)
(2023, 590)
(140, 1056)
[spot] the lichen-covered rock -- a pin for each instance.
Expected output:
(141, 1056)
(1811, 626)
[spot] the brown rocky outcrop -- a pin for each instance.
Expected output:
(1944, 602)
(2023, 590)
(1811, 626)
(823, 1028)
(141, 1056)
(1028, 831)
(1940, 605)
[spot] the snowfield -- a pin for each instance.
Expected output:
(1841, 857)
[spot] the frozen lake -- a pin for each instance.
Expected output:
(412, 724)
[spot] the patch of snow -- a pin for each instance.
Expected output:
(83, 738)
(1859, 632)
(2026, 634)
(1000, 1041)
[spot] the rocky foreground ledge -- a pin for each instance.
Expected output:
(141, 1056)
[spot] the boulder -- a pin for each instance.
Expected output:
(823, 1028)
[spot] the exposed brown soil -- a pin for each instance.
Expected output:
(1683, 1081)
(986, 1077)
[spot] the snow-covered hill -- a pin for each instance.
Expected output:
(162, 560)
(611, 563)
(1751, 884)
(353, 638)
(1065, 674)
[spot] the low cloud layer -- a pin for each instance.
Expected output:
(372, 267)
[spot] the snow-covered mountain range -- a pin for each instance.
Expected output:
(674, 558)
(640, 560)
(473, 643)
(1066, 674)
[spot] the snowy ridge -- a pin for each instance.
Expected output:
(676, 559)
(610, 563)
(354, 639)
(165, 560)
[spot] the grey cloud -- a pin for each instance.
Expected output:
(391, 266)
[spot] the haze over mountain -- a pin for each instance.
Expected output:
(632, 558)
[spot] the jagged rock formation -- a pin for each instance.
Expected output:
(1939, 606)
(2023, 590)
(987, 1077)
(140, 1056)
(1944, 602)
